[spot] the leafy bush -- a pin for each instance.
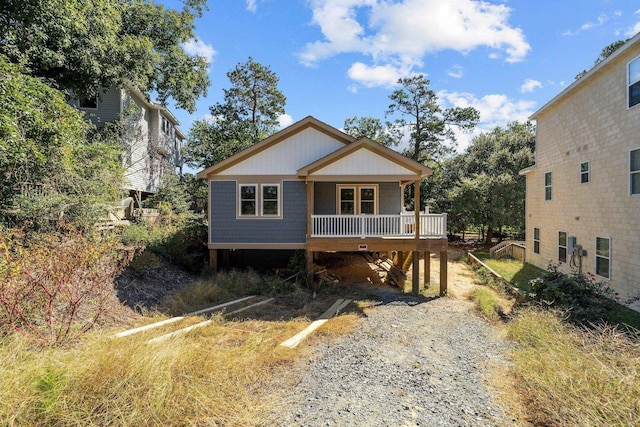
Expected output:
(584, 298)
(57, 285)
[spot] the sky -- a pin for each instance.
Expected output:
(338, 59)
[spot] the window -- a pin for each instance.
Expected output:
(547, 186)
(584, 172)
(603, 257)
(347, 200)
(536, 240)
(562, 246)
(634, 171)
(248, 196)
(265, 196)
(166, 126)
(270, 203)
(89, 103)
(358, 199)
(634, 82)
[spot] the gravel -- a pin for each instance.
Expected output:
(411, 362)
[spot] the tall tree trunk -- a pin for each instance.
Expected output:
(489, 236)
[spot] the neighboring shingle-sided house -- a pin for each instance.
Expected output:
(584, 188)
(313, 187)
(152, 142)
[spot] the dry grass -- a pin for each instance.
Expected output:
(575, 377)
(217, 375)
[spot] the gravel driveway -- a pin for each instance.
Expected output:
(411, 362)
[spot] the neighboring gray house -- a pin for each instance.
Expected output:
(312, 187)
(152, 142)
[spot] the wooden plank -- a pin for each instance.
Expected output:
(443, 273)
(300, 336)
(202, 324)
(178, 318)
(213, 260)
(427, 268)
(415, 279)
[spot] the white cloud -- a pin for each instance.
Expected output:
(530, 85)
(200, 48)
(377, 75)
(285, 120)
(252, 5)
(495, 110)
(401, 33)
(602, 19)
(632, 31)
(456, 72)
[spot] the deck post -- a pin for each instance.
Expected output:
(416, 208)
(415, 277)
(309, 267)
(443, 273)
(427, 268)
(213, 260)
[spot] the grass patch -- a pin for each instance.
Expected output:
(516, 272)
(486, 302)
(222, 374)
(574, 376)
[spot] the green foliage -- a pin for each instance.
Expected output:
(429, 126)
(486, 302)
(583, 298)
(82, 46)
(55, 166)
(367, 127)
(248, 114)
(604, 54)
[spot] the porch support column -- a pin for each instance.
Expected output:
(213, 260)
(415, 277)
(443, 273)
(416, 208)
(226, 258)
(309, 207)
(427, 268)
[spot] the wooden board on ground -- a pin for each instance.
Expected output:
(332, 311)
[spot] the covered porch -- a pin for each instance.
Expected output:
(355, 202)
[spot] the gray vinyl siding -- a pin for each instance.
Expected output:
(108, 108)
(227, 228)
(325, 195)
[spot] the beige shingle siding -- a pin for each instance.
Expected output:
(591, 123)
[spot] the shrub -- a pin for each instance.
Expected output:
(584, 298)
(55, 286)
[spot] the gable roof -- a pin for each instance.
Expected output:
(634, 41)
(394, 163)
(307, 122)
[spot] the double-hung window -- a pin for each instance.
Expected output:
(634, 171)
(562, 246)
(547, 186)
(585, 172)
(536, 240)
(259, 200)
(357, 199)
(603, 257)
(634, 82)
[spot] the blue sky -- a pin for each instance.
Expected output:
(341, 58)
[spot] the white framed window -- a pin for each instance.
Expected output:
(357, 199)
(270, 205)
(585, 172)
(259, 201)
(562, 246)
(634, 172)
(248, 199)
(633, 81)
(548, 180)
(603, 257)
(536, 240)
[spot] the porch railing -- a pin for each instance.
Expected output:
(403, 225)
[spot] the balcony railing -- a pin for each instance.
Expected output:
(401, 226)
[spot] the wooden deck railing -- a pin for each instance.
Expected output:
(403, 225)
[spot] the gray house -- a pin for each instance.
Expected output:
(152, 142)
(312, 187)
